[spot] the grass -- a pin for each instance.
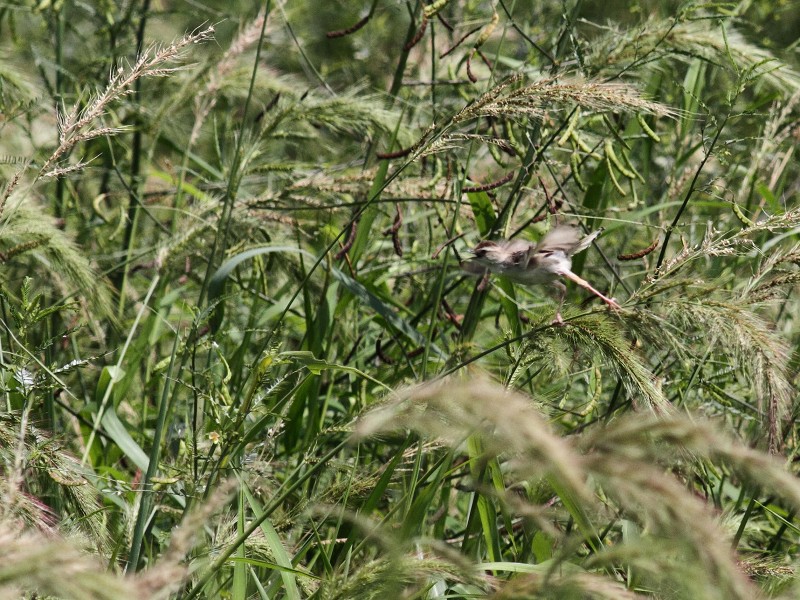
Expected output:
(239, 358)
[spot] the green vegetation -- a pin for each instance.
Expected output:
(239, 358)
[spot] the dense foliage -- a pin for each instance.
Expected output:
(239, 357)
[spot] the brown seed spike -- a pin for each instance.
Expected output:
(417, 36)
(349, 243)
(490, 186)
(352, 29)
(471, 76)
(640, 253)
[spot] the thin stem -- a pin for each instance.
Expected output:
(219, 246)
(136, 165)
(146, 500)
(688, 195)
(298, 480)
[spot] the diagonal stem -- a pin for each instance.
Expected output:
(689, 194)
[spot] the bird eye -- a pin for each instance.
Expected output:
(481, 249)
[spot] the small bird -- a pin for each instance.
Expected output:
(542, 263)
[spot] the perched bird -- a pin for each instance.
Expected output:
(542, 263)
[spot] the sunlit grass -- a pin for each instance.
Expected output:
(240, 358)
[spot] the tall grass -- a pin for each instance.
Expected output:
(239, 357)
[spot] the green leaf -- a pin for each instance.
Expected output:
(216, 291)
(116, 430)
(239, 588)
(282, 558)
(111, 423)
(483, 210)
(371, 300)
(216, 287)
(108, 376)
(369, 214)
(316, 366)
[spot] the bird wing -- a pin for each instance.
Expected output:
(567, 239)
(512, 246)
(517, 251)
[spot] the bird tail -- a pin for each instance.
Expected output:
(587, 241)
